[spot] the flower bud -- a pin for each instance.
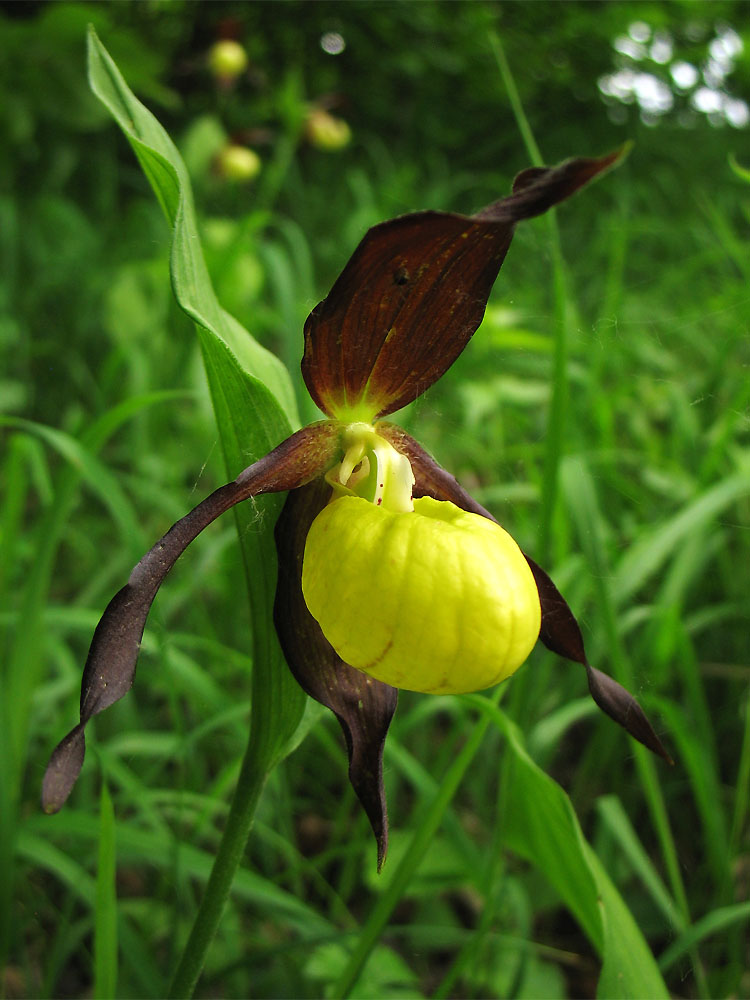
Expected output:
(227, 59)
(437, 600)
(238, 163)
(326, 131)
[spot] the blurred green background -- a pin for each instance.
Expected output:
(107, 437)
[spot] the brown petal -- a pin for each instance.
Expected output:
(363, 705)
(620, 705)
(561, 634)
(63, 769)
(414, 292)
(560, 631)
(110, 667)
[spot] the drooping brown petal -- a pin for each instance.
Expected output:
(620, 705)
(414, 292)
(363, 706)
(560, 631)
(110, 667)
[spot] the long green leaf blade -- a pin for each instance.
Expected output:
(541, 826)
(250, 389)
(166, 172)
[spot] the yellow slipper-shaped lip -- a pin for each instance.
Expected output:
(436, 600)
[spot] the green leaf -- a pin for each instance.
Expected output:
(250, 388)
(541, 826)
(167, 174)
(620, 826)
(430, 816)
(628, 967)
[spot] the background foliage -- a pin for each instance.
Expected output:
(108, 436)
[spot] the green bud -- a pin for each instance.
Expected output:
(326, 131)
(238, 163)
(227, 59)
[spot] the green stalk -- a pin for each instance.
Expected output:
(557, 420)
(250, 784)
(433, 814)
(105, 922)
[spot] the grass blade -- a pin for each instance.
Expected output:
(619, 825)
(105, 915)
(651, 551)
(718, 920)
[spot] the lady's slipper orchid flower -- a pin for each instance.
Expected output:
(390, 574)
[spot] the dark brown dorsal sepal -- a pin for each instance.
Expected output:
(414, 292)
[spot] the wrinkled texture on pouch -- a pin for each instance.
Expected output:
(438, 600)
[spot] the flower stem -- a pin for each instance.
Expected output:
(250, 784)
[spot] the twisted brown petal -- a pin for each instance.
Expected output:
(560, 631)
(414, 292)
(561, 634)
(110, 667)
(363, 706)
